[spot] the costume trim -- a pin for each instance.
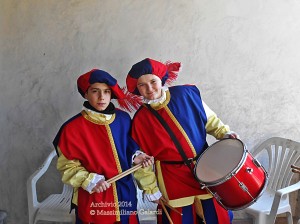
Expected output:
(204, 196)
(158, 106)
(89, 118)
(164, 105)
(117, 209)
(113, 147)
(115, 153)
(161, 181)
(181, 130)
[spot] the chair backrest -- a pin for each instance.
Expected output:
(48, 208)
(281, 154)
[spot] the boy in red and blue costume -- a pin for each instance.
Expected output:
(182, 108)
(94, 146)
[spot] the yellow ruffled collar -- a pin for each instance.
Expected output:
(97, 118)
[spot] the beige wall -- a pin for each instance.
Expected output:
(243, 55)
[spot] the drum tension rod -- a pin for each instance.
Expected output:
(214, 194)
(244, 187)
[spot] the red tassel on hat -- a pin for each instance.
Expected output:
(130, 102)
(173, 69)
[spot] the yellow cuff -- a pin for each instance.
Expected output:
(146, 180)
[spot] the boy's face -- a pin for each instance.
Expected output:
(149, 86)
(99, 95)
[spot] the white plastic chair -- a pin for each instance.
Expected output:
(56, 207)
(280, 154)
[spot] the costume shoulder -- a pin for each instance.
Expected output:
(139, 112)
(122, 115)
(68, 122)
(184, 89)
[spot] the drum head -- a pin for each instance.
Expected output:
(219, 160)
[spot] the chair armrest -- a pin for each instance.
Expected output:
(278, 196)
(288, 189)
(31, 182)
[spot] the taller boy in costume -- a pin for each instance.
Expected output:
(94, 146)
(190, 119)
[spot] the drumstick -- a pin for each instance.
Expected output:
(169, 206)
(123, 174)
(167, 214)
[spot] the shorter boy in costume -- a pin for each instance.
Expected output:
(94, 146)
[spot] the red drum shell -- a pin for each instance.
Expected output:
(231, 174)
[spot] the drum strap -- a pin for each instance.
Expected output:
(186, 160)
(179, 162)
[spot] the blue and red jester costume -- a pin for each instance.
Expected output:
(182, 108)
(94, 146)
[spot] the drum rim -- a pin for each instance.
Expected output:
(230, 174)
